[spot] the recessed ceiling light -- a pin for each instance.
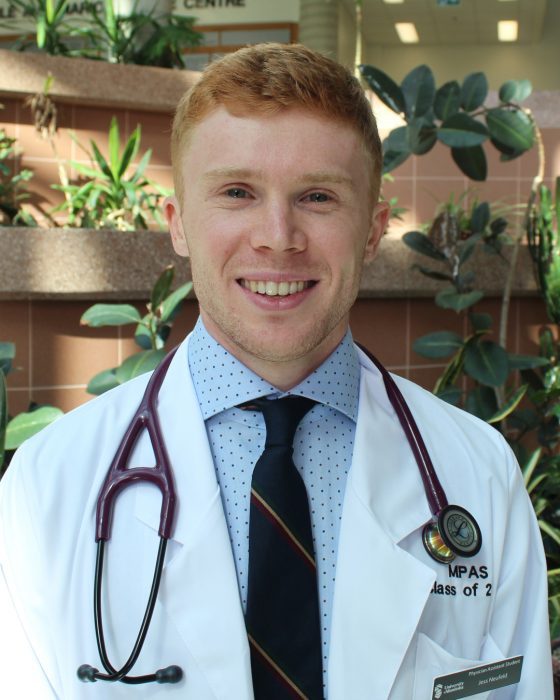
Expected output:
(393, 2)
(407, 32)
(507, 30)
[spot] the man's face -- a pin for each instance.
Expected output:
(277, 218)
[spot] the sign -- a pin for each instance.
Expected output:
(209, 12)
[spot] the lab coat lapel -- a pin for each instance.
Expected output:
(380, 589)
(199, 589)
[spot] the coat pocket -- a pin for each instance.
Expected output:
(433, 661)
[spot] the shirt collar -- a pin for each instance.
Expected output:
(221, 381)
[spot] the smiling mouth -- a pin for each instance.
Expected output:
(275, 289)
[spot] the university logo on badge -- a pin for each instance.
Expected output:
(438, 691)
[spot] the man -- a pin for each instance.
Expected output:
(277, 167)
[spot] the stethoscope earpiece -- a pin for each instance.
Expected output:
(455, 533)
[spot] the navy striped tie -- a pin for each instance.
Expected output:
(282, 617)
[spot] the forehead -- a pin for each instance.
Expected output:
(288, 139)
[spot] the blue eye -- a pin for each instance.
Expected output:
(318, 197)
(236, 193)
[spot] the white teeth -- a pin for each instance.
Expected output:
(273, 289)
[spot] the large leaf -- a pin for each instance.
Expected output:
(510, 405)
(471, 162)
(102, 382)
(526, 361)
(397, 140)
(420, 243)
(487, 362)
(480, 322)
(450, 394)
(513, 129)
(447, 100)
(450, 298)
(422, 136)
(161, 287)
(481, 402)
(384, 87)
(142, 336)
(171, 304)
(25, 425)
(474, 91)
(392, 160)
(462, 131)
(419, 90)
(480, 217)
(114, 148)
(130, 151)
(515, 90)
(110, 315)
(140, 363)
(438, 344)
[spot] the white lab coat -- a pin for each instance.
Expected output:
(391, 635)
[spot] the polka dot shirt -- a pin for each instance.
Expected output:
(323, 447)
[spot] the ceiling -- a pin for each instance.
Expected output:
(469, 22)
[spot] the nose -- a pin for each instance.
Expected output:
(276, 229)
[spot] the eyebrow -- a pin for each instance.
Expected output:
(313, 178)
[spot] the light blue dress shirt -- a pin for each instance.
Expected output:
(322, 447)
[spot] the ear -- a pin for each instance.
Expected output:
(379, 219)
(172, 212)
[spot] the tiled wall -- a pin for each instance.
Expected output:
(56, 357)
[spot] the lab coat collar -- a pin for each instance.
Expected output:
(374, 574)
(199, 589)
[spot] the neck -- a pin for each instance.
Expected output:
(286, 373)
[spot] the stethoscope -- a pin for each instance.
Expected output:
(452, 532)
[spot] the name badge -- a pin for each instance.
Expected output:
(478, 679)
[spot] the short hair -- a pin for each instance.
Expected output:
(267, 78)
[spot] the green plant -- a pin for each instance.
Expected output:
(138, 37)
(544, 244)
(108, 195)
(14, 431)
(452, 115)
(52, 29)
(451, 240)
(12, 184)
(152, 330)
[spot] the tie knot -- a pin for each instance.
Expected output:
(282, 417)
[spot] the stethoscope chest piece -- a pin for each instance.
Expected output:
(455, 533)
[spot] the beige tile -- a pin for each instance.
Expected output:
(14, 327)
(380, 325)
(156, 134)
(43, 197)
(551, 143)
(37, 147)
(532, 319)
(438, 163)
(8, 116)
(403, 190)
(92, 123)
(63, 352)
(498, 168)
(425, 318)
(18, 402)
(63, 398)
(430, 194)
(426, 377)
